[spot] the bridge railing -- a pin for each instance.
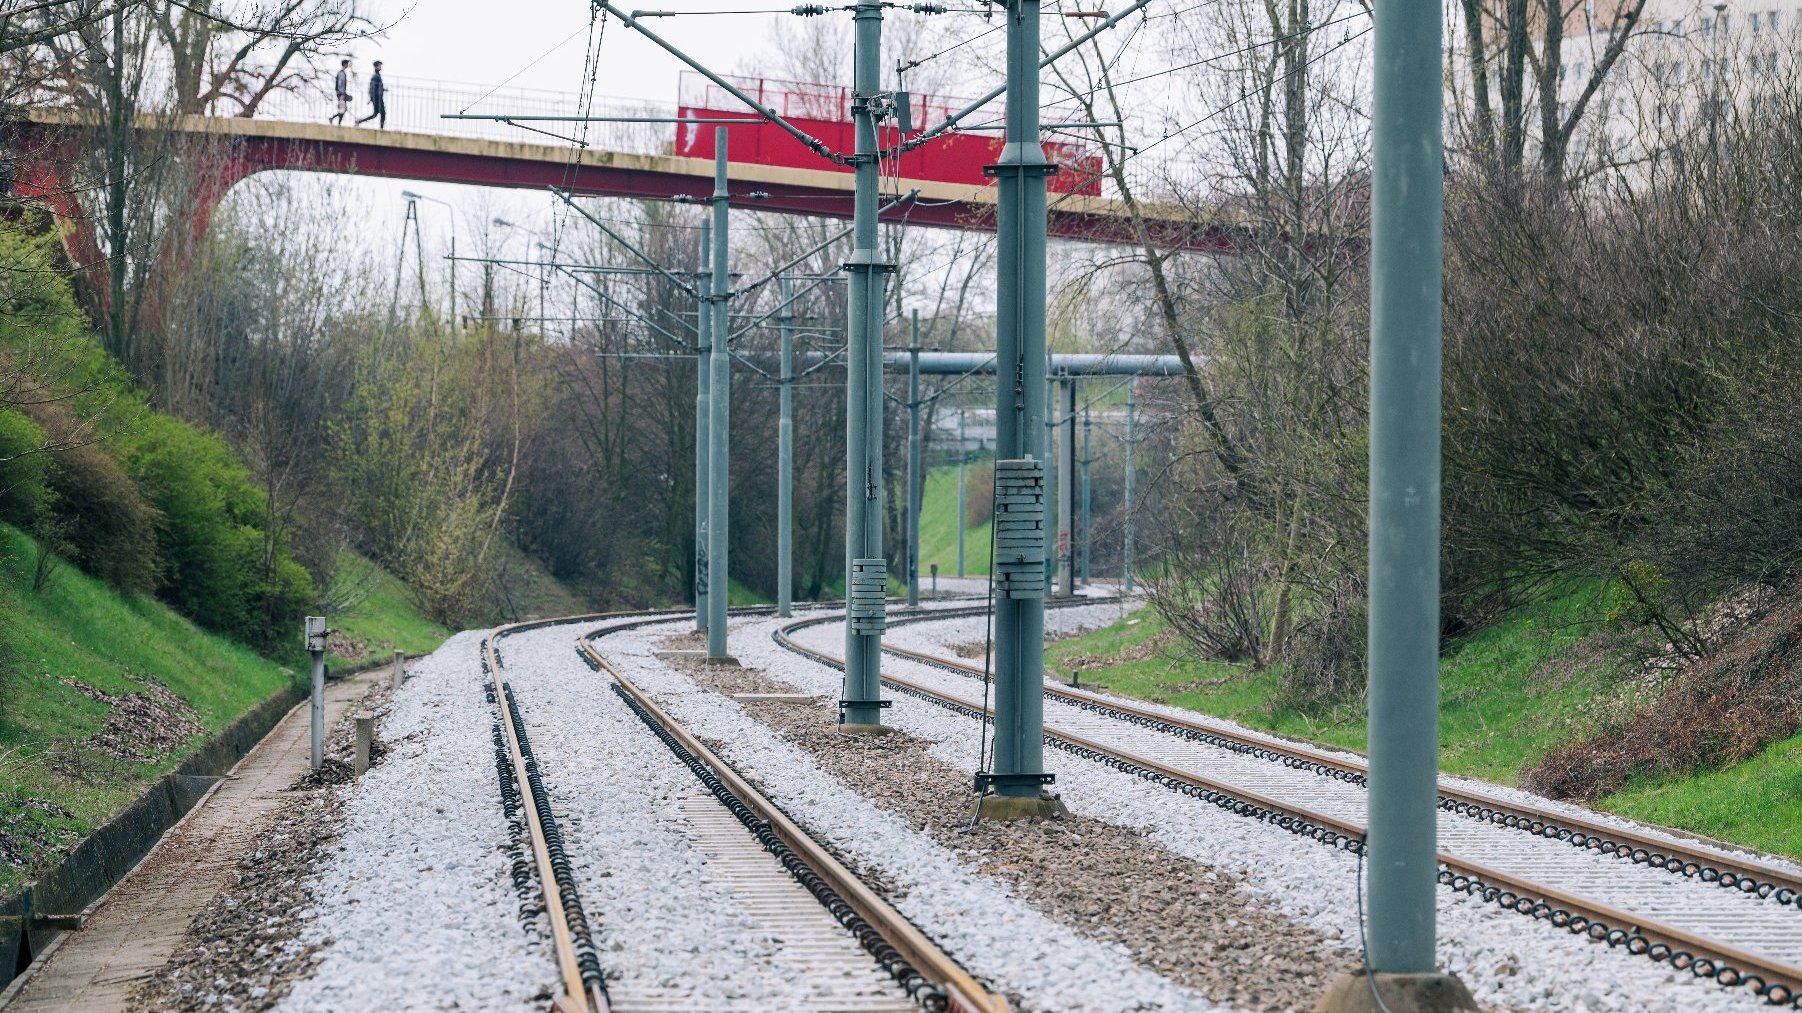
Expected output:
(417, 105)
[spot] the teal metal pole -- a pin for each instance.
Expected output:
(1085, 495)
(1052, 480)
(785, 458)
(913, 466)
(1066, 490)
(866, 574)
(719, 456)
(1405, 286)
(962, 454)
(1018, 769)
(1126, 562)
(703, 418)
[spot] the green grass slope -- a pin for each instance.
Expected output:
(63, 769)
(1508, 695)
(381, 618)
(938, 529)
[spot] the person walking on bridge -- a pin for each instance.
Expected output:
(343, 86)
(378, 95)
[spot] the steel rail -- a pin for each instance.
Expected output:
(579, 995)
(962, 992)
(1733, 872)
(1777, 982)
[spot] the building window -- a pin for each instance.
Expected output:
(1757, 19)
(1707, 28)
(1677, 28)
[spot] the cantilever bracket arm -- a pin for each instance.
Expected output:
(957, 117)
(813, 143)
(623, 241)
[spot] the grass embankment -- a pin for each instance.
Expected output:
(938, 528)
(384, 620)
(1508, 695)
(69, 760)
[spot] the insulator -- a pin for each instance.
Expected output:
(809, 10)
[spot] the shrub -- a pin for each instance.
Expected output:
(220, 566)
(24, 472)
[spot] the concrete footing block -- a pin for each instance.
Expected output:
(1358, 992)
(365, 737)
(1006, 808)
(856, 729)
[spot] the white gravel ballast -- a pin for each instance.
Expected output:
(1504, 957)
(996, 935)
(415, 905)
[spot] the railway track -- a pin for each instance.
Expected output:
(1618, 887)
(855, 951)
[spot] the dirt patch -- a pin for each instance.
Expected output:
(1183, 919)
(141, 726)
(693, 640)
(243, 950)
(1712, 713)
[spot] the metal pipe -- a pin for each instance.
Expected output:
(962, 454)
(316, 714)
(1066, 491)
(703, 417)
(861, 702)
(1126, 560)
(785, 459)
(983, 363)
(1086, 460)
(913, 467)
(719, 435)
(1406, 275)
(1018, 768)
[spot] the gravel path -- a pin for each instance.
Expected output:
(1505, 958)
(415, 908)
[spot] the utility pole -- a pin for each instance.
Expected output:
(316, 634)
(962, 454)
(703, 417)
(1017, 774)
(866, 568)
(1406, 283)
(1126, 560)
(1066, 490)
(1085, 494)
(913, 466)
(785, 457)
(719, 453)
(1052, 478)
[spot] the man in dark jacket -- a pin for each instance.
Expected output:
(378, 95)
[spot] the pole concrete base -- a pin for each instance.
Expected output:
(1401, 993)
(850, 729)
(1007, 808)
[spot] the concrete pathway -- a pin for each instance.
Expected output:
(142, 920)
